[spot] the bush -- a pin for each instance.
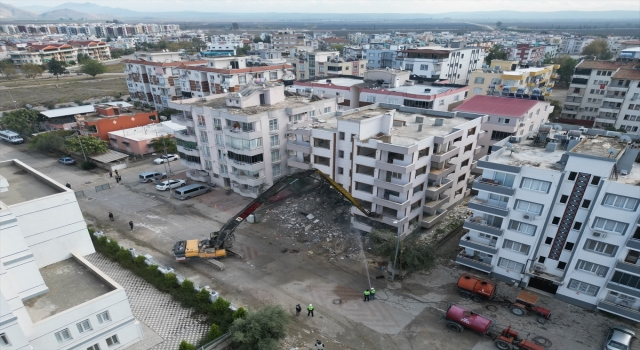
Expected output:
(170, 282)
(79, 102)
(88, 165)
(186, 346)
(260, 330)
(50, 105)
(50, 141)
(213, 334)
(240, 313)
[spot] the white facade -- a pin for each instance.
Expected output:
(574, 46)
(561, 218)
(455, 65)
(44, 237)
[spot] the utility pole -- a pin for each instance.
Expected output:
(167, 164)
(81, 147)
(395, 260)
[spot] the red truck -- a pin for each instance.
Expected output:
(459, 319)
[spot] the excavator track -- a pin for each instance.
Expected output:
(233, 252)
(216, 263)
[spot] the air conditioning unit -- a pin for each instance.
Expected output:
(539, 267)
(599, 234)
(528, 217)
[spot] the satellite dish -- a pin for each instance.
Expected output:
(625, 138)
(557, 127)
(612, 151)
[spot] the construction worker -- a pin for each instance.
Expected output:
(298, 309)
(310, 310)
(319, 345)
(373, 294)
(366, 295)
(111, 216)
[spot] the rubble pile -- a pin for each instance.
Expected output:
(455, 216)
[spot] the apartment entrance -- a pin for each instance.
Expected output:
(543, 284)
(227, 182)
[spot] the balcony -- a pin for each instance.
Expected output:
(617, 88)
(392, 202)
(294, 163)
(189, 151)
(628, 267)
(609, 109)
(186, 136)
(619, 310)
(299, 146)
(612, 97)
(392, 186)
(482, 226)
(623, 289)
(474, 262)
(487, 206)
(490, 185)
(634, 243)
(444, 155)
(429, 221)
(470, 179)
(466, 242)
(251, 180)
(609, 120)
(431, 206)
(432, 192)
(198, 175)
(395, 167)
(182, 120)
(246, 166)
(435, 174)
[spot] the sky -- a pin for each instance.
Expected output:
(351, 6)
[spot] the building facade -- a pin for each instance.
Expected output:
(50, 296)
(505, 78)
(41, 54)
(454, 65)
(560, 216)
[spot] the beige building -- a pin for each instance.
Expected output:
(309, 65)
(505, 78)
(287, 39)
(41, 54)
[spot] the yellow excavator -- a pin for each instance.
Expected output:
(220, 242)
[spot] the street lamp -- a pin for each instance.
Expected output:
(395, 260)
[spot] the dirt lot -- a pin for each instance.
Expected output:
(68, 90)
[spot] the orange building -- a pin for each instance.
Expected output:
(113, 118)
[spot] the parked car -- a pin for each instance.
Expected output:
(149, 176)
(190, 191)
(10, 136)
(166, 158)
(619, 338)
(66, 161)
(168, 184)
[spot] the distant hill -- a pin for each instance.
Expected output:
(66, 13)
(36, 8)
(88, 7)
(12, 12)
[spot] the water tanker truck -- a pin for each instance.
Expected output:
(458, 319)
(475, 288)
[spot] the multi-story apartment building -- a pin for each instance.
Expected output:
(50, 296)
(507, 78)
(529, 53)
(574, 46)
(238, 140)
(97, 50)
(407, 165)
(287, 39)
(560, 214)
(385, 86)
(309, 65)
(506, 117)
(41, 54)
(603, 94)
(454, 65)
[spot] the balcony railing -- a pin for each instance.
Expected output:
(482, 226)
(488, 206)
(492, 185)
(476, 262)
(620, 310)
(467, 242)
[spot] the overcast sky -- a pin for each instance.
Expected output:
(349, 6)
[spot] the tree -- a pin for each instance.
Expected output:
(496, 53)
(557, 109)
(242, 51)
(337, 47)
(56, 67)
(90, 145)
(240, 313)
(234, 26)
(82, 58)
(213, 333)
(257, 39)
(267, 39)
(499, 24)
(186, 346)
(597, 48)
(8, 69)
(23, 121)
(548, 58)
(567, 66)
(164, 145)
(262, 329)
(31, 70)
(413, 256)
(50, 141)
(93, 68)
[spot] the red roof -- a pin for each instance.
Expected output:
(491, 105)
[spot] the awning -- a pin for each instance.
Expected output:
(110, 156)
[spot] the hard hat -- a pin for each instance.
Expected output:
(310, 305)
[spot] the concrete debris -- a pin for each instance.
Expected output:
(310, 216)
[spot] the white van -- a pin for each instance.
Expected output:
(10, 136)
(189, 191)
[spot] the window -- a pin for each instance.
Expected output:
(340, 171)
(610, 225)
(421, 171)
(204, 138)
(371, 99)
(626, 279)
(113, 340)
(477, 91)
(440, 102)
(515, 246)
(219, 139)
(548, 240)
(276, 170)
(4, 340)
(577, 225)
(275, 155)
(273, 125)
(424, 67)
(595, 180)
(535, 185)
(504, 179)
(583, 287)
(341, 135)
(521, 227)
(592, 268)
(555, 220)
(572, 176)
(541, 259)
(275, 140)
(569, 246)
(528, 207)
(468, 147)
(600, 247)
(273, 75)
(327, 110)
(423, 152)
(340, 154)
(510, 265)
(94, 347)
(217, 123)
(364, 187)
(564, 198)
(626, 203)
(408, 66)
(562, 265)
(478, 80)
(419, 188)
(63, 335)
(83, 326)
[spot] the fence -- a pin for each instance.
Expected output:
(220, 343)
(102, 187)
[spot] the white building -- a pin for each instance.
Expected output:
(574, 46)
(560, 213)
(454, 65)
(50, 296)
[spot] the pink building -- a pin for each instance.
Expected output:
(136, 140)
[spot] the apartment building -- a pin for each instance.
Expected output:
(407, 165)
(41, 54)
(515, 118)
(97, 50)
(527, 53)
(574, 46)
(50, 296)
(507, 78)
(309, 65)
(604, 94)
(454, 65)
(282, 40)
(385, 86)
(560, 214)
(238, 140)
